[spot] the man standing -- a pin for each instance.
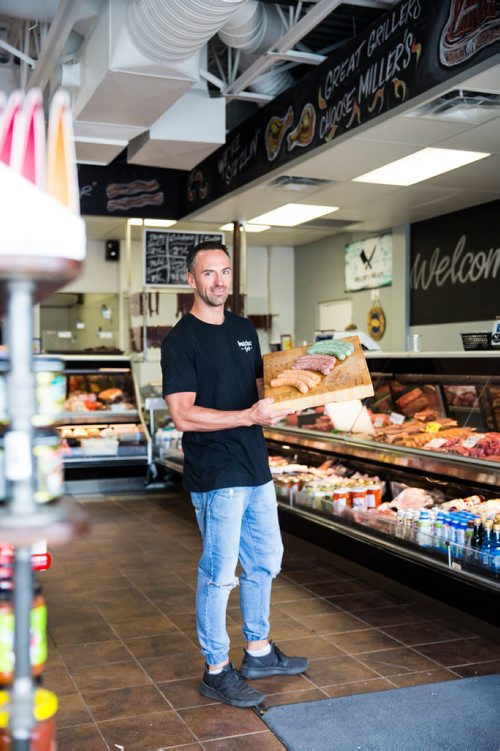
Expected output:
(211, 364)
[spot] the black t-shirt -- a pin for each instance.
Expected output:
(220, 363)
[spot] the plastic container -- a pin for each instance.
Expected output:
(341, 498)
(49, 471)
(373, 496)
(4, 367)
(43, 735)
(3, 484)
(50, 390)
(358, 498)
(38, 633)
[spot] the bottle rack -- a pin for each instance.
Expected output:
(38, 253)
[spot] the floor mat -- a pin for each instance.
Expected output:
(456, 715)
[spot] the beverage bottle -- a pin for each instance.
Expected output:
(423, 536)
(469, 533)
(461, 530)
(477, 535)
(495, 548)
(487, 542)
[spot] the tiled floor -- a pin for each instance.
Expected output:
(124, 659)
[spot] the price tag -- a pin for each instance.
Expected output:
(396, 418)
(432, 427)
(105, 334)
(64, 334)
(435, 443)
(378, 422)
(471, 440)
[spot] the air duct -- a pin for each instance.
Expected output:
(139, 68)
(253, 29)
(167, 30)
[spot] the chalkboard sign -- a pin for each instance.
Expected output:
(455, 267)
(165, 255)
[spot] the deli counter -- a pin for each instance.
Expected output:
(101, 423)
(429, 442)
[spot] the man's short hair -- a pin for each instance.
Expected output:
(205, 245)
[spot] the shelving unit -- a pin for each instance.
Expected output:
(37, 255)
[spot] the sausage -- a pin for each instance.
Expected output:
(323, 358)
(310, 379)
(311, 363)
(288, 380)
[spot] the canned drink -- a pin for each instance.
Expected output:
(50, 390)
(49, 471)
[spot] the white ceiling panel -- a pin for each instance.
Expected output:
(414, 130)
(485, 137)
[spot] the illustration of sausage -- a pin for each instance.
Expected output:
(297, 383)
(129, 189)
(275, 132)
(303, 133)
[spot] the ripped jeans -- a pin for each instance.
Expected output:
(236, 523)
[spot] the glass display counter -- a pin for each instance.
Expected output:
(101, 423)
(431, 442)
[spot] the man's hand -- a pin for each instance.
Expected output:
(263, 413)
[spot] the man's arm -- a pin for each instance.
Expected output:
(188, 416)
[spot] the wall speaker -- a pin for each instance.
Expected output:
(112, 250)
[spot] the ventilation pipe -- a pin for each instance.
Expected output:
(167, 30)
(253, 29)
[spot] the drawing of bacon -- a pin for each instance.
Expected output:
(135, 202)
(128, 189)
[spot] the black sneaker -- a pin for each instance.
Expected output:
(230, 688)
(275, 663)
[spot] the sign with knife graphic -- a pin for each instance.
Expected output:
(368, 264)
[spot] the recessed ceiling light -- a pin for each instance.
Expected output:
(247, 227)
(292, 214)
(159, 222)
(134, 222)
(419, 166)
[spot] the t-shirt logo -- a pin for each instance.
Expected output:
(245, 345)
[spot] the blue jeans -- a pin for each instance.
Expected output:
(236, 523)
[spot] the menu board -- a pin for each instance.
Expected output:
(165, 253)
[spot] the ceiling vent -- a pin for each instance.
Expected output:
(291, 182)
(461, 105)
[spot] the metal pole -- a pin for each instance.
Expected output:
(236, 268)
(19, 472)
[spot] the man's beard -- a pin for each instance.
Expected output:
(212, 300)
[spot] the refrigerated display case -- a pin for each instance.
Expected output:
(435, 427)
(101, 424)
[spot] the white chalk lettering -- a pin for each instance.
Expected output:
(460, 268)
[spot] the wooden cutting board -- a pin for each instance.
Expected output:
(349, 379)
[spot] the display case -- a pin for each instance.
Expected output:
(102, 422)
(433, 428)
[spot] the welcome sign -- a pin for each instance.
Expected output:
(455, 267)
